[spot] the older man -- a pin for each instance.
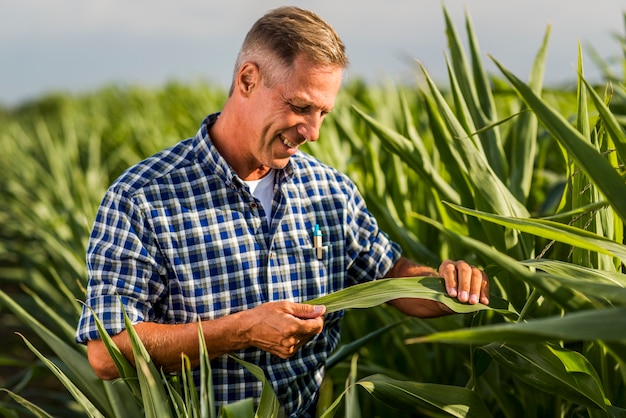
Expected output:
(223, 227)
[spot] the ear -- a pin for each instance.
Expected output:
(247, 78)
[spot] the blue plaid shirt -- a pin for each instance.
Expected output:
(180, 238)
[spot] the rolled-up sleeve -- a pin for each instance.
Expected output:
(123, 267)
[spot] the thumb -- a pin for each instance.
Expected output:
(304, 311)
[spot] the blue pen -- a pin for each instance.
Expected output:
(317, 241)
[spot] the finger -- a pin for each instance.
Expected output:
(305, 311)
(476, 286)
(290, 342)
(447, 270)
(464, 280)
(484, 289)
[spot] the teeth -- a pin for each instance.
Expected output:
(288, 143)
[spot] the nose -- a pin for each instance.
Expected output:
(310, 128)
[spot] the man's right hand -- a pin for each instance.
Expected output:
(281, 328)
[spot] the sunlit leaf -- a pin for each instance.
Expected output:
(552, 369)
(268, 404)
(374, 293)
(425, 398)
(602, 324)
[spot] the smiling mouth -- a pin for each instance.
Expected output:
(288, 143)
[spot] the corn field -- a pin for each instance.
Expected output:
(524, 181)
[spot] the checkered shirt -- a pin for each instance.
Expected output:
(180, 238)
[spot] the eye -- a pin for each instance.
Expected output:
(299, 109)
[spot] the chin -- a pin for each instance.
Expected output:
(278, 164)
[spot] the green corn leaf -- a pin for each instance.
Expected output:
(127, 371)
(350, 348)
(576, 272)
(554, 231)
(130, 398)
(90, 409)
(612, 125)
(489, 192)
(268, 405)
(607, 287)
(607, 324)
(603, 175)
(326, 395)
(377, 292)
(153, 393)
(426, 398)
(172, 386)
(351, 395)
(552, 369)
(73, 356)
(566, 297)
(34, 409)
(239, 409)
(190, 392)
(207, 396)
(524, 134)
(473, 97)
(413, 154)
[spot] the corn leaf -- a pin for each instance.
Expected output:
(552, 369)
(472, 94)
(566, 297)
(268, 405)
(90, 409)
(72, 356)
(154, 397)
(352, 347)
(554, 231)
(413, 154)
(607, 324)
(240, 409)
(377, 292)
(426, 398)
(127, 371)
(603, 175)
(524, 133)
(612, 125)
(351, 395)
(34, 409)
(576, 272)
(207, 396)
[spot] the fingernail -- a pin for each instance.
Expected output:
(473, 299)
(452, 292)
(463, 296)
(319, 309)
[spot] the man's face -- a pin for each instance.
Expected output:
(288, 114)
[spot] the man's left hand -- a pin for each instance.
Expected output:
(465, 282)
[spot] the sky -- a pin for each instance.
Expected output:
(79, 46)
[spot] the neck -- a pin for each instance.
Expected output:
(224, 138)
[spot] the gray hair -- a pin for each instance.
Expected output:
(281, 35)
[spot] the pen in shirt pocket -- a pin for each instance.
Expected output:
(317, 241)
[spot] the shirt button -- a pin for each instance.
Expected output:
(253, 205)
(275, 359)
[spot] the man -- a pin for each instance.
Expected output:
(220, 228)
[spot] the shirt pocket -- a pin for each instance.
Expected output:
(298, 274)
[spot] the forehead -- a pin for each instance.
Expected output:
(312, 84)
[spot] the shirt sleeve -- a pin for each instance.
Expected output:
(124, 273)
(372, 251)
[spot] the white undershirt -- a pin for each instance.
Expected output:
(263, 189)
